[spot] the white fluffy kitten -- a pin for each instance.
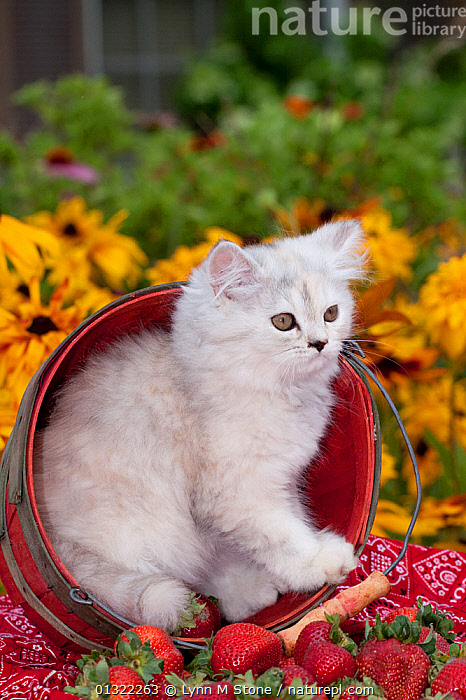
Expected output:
(172, 461)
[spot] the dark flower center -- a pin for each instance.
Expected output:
(41, 325)
(70, 230)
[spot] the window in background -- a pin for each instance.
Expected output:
(144, 45)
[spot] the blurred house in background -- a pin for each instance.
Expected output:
(142, 45)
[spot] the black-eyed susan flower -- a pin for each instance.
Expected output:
(13, 290)
(443, 297)
(89, 249)
(21, 244)
(30, 333)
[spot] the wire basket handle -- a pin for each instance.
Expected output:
(349, 349)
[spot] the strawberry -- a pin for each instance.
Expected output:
(287, 661)
(441, 643)
(322, 631)
(124, 683)
(243, 646)
(295, 671)
(400, 669)
(451, 677)
(410, 613)
(352, 691)
(201, 619)
(158, 640)
(313, 632)
(328, 662)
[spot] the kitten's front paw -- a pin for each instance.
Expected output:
(336, 557)
(236, 608)
(163, 603)
(246, 591)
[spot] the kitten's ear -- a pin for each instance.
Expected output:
(347, 239)
(230, 271)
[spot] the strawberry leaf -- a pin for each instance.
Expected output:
(101, 672)
(201, 662)
(81, 691)
(339, 637)
(438, 621)
(272, 678)
(188, 619)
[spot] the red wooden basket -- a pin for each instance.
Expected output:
(342, 486)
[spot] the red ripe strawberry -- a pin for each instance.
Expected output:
(410, 613)
(441, 643)
(124, 683)
(451, 677)
(295, 671)
(243, 646)
(201, 619)
(313, 632)
(287, 661)
(328, 662)
(400, 669)
(351, 691)
(162, 646)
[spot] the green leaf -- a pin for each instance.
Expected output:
(339, 637)
(272, 678)
(436, 620)
(81, 691)
(101, 672)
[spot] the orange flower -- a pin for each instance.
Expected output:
(305, 216)
(299, 106)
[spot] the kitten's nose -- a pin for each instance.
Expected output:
(319, 345)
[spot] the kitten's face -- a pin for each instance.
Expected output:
(294, 324)
(301, 322)
(278, 310)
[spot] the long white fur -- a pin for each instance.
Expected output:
(172, 461)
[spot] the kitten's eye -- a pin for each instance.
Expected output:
(331, 313)
(284, 322)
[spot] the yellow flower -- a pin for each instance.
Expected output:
(8, 412)
(20, 244)
(430, 467)
(29, 335)
(12, 290)
(390, 519)
(443, 298)
(89, 248)
(178, 267)
(438, 514)
(391, 249)
(429, 406)
(394, 519)
(388, 466)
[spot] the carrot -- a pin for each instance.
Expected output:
(347, 603)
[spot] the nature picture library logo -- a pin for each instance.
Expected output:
(321, 18)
